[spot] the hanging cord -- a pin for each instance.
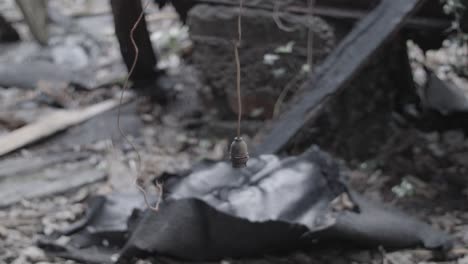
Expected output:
(310, 36)
(239, 101)
(310, 61)
(238, 68)
(277, 18)
(238, 152)
(285, 91)
(139, 182)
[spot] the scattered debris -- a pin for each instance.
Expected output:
(18, 166)
(258, 206)
(47, 182)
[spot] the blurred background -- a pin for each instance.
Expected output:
(399, 123)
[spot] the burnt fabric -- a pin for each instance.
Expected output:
(272, 206)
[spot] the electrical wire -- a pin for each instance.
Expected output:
(238, 68)
(310, 61)
(139, 182)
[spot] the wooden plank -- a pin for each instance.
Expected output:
(338, 69)
(35, 14)
(51, 124)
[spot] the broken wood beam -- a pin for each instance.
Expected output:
(51, 124)
(337, 70)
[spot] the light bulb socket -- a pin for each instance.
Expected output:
(239, 153)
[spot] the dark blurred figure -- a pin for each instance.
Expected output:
(7, 32)
(146, 76)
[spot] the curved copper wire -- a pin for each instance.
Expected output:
(137, 182)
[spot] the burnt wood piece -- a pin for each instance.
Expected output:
(125, 15)
(337, 70)
(7, 32)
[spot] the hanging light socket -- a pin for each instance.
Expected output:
(239, 153)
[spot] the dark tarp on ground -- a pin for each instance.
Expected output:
(275, 205)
